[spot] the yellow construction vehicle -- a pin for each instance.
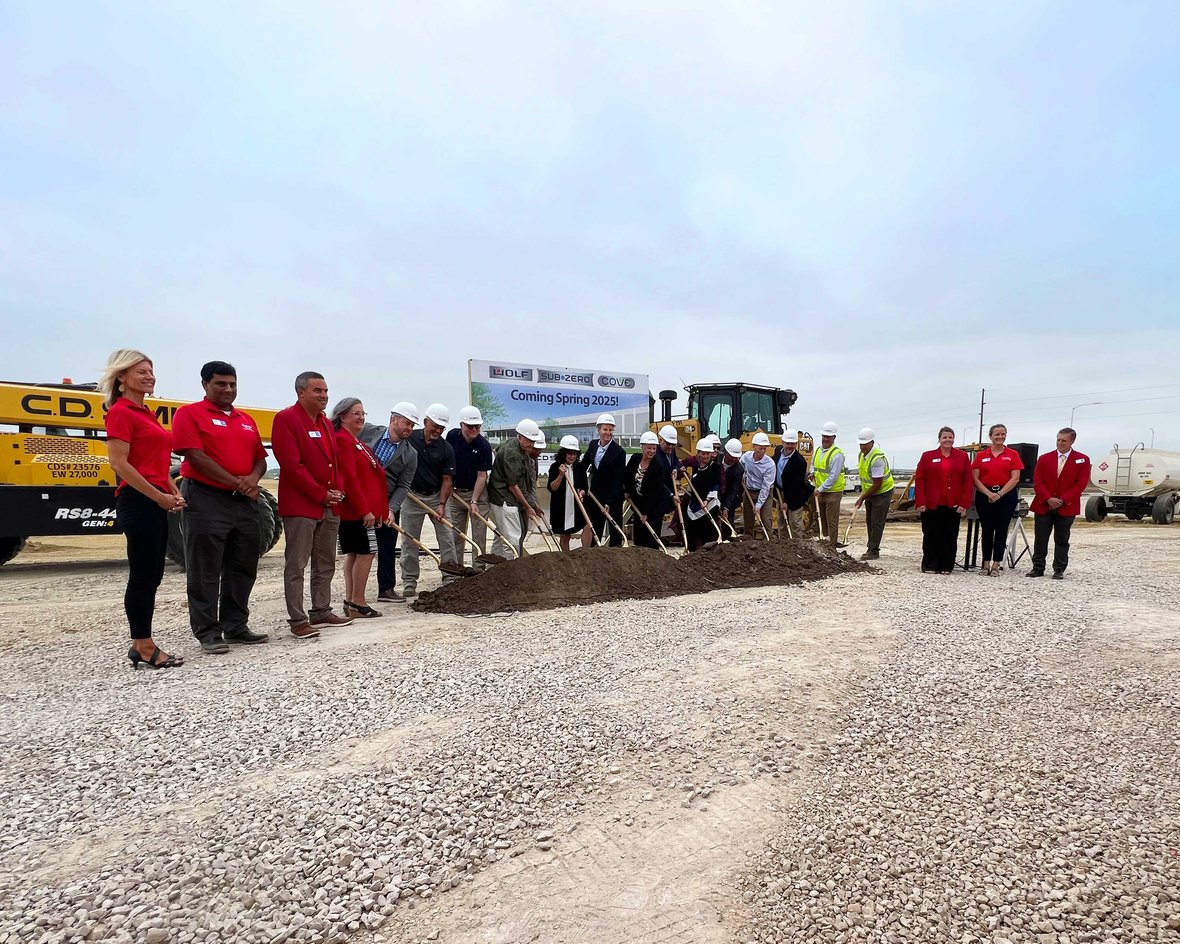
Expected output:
(55, 477)
(731, 411)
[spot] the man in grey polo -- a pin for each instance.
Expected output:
(391, 446)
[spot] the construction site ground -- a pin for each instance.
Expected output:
(874, 756)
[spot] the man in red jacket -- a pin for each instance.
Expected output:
(304, 444)
(1059, 479)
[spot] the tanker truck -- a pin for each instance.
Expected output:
(1135, 482)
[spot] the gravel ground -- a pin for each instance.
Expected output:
(998, 759)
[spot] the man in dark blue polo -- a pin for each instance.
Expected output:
(473, 462)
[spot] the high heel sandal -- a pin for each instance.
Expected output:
(172, 662)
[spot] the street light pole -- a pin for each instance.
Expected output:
(1152, 446)
(1079, 406)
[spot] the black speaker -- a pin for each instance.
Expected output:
(1028, 455)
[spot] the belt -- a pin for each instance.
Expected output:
(994, 488)
(223, 492)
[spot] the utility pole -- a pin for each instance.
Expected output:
(982, 391)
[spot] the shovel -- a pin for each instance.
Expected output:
(784, 517)
(650, 529)
(849, 528)
(819, 517)
(444, 519)
(455, 570)
(712, 520)
(485, 558)
(611, 521)
(582, 508)
(547, 535)
(680, 514)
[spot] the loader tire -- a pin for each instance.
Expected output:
(10, 547)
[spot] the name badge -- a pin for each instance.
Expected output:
(988, 459)
(313, 433)
(935, 460)
(217, 422)
(1079, 461)
(247, 427)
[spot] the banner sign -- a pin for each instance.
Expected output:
(562, 400)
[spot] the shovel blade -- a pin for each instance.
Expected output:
(491, 559)
(454, 569)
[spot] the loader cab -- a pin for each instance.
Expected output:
(729, 410)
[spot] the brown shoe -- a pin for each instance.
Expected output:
(331, 619)
(304, 631)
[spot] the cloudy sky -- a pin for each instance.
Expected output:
(885, 206)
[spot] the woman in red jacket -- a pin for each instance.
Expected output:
(942, 493)
(996, 471)
(365, 507)
(140, 451)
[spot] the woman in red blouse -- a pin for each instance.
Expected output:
(942, 493)
(997, 479)
(140, 451)
(365, 507)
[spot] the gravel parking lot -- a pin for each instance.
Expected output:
(881, 757)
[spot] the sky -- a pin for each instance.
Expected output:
(884, 206)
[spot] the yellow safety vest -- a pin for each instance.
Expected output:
(866, 480)
(819, 465)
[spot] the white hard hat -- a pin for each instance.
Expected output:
(706, 444)
(571, 442)
(439, 413)
(649, 439)
(791, 436)
(761, 439)
(668, 434)
(734, 447)
(866, 435)
(539, 440)
(604, 418)
(715, 440)
(828, 429)
(528, 428)
(408, 410)
(470, 416)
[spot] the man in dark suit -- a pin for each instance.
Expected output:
(791, 479)
(605, 464)
(1059, 479)
(391, 445)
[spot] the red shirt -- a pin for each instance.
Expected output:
(150, 452)
(364, 480)
(229, 439)
(996, 470)
(943, 480)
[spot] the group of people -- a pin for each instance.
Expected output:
(362, 490)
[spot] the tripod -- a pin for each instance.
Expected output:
(1018, 529)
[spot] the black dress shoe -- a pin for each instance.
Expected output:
(214, 645)
(1058, 575)
(246, 637)
(1035, 573)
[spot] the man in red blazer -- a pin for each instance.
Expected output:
(1059, 479)
(304, 444)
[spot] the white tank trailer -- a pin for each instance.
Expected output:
(1136, 482)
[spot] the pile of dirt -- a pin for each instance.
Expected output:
(546, 581)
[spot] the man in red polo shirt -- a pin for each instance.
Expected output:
(223, 461)
(309, 492)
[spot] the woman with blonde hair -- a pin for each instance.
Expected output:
(140, 451)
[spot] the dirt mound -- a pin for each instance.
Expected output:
(545, 581)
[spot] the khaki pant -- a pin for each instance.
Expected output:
(794, 518)
(829, 515)
(412, 517)
(459, 516)
(748, 499)
(507, 519)
(309, 540)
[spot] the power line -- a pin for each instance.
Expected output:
(1092, 393)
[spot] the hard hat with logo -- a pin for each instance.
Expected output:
(790, 436)
(438, 413)
(866, 435)
(528, 428)
(734, 447)
(605, 419)
(828, 429)
(649, 439)
(761, 439)
(668, 434)
(470, 416)
(571, 442)
(408, 410)
(705, 444)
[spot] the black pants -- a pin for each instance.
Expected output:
(598, 520)
(994, 519)
(1059, 526)
(221, 546)
(386, 559)
(876, 509)
(145, 525)
(641, 537)
(701, 531)
(940, 538)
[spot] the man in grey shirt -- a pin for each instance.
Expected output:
(391, 446)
